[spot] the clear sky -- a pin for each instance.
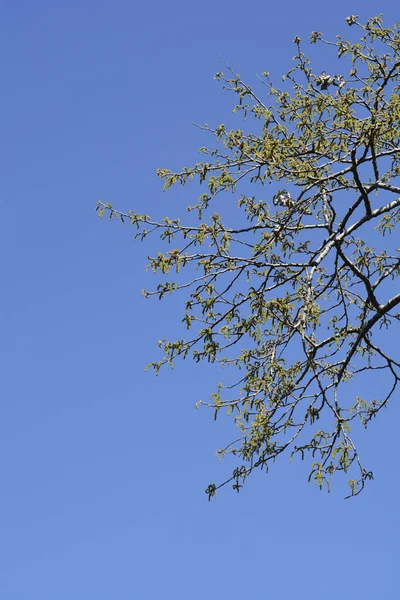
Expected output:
(104, 466)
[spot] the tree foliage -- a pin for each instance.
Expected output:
(297, 296)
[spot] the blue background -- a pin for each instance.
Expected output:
(104, 466)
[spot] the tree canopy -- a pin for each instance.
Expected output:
(294, 291)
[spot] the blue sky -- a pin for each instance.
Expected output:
(103, 466)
